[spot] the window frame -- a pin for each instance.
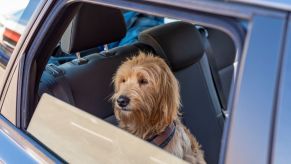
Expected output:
(163, 11)
(282, 105)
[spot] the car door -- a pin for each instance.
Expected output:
(247, 89)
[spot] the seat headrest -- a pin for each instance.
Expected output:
(179, 42)
(93, 26)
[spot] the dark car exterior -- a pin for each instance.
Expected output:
(259, 107)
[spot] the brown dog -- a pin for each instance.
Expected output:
(147, 102)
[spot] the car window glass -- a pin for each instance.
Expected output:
(66, 130)
(14, 16)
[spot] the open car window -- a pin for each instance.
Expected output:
(79, 137)
(78, 66)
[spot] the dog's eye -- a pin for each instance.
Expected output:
(142, 81)
(123, 80)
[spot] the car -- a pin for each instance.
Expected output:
(231, 58)
(12, 25)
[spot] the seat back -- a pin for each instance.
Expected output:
(182, 45)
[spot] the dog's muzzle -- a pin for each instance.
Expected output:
(123, 101)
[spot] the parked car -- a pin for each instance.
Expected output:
(232, 60)
(12, 25)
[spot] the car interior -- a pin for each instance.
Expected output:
(202, 59)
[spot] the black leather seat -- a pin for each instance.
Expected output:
(183, 46)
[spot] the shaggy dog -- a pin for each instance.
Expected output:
(147, 102)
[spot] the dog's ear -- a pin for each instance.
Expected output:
(169, 94)
(114, 81)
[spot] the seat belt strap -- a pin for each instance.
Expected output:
(214, 72)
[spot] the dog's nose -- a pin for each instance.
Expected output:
(123, 101)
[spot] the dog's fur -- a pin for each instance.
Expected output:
(154, 104)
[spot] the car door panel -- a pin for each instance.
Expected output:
(79, 137)
(17, 147)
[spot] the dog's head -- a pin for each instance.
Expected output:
(146, 92)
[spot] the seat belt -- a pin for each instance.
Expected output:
(214, 72)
